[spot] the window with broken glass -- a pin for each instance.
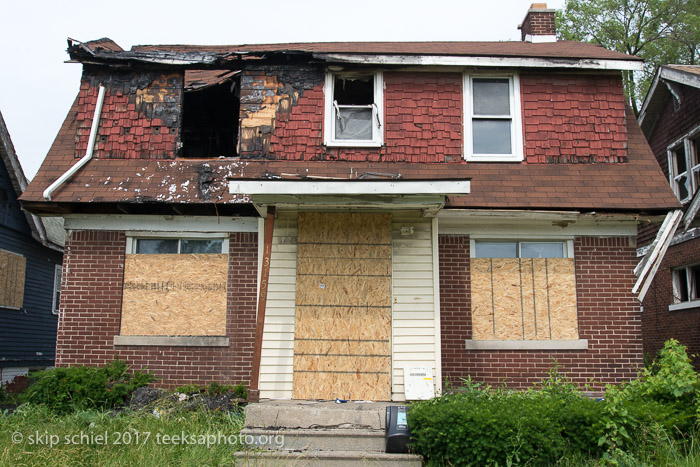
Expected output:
(684, 166)
(492, 118)
(353, 109)
(686, 283)
(174, 246)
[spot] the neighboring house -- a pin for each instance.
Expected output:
(31, 251)
(670, 119)
(465, 208)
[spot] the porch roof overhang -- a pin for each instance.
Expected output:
(427, 195)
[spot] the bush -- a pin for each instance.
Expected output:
(214, 389)
(477, 428)
(65, 390)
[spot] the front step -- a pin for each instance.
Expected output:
(315, 440)
(315, 433)
(325, 458)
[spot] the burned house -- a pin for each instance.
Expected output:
(317, 220)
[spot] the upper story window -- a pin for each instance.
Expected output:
(684, 166)
(492, 125)
(353, 109)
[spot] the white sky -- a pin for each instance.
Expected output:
(37, 88)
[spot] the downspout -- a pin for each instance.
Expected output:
(88, 152)
(254, 391)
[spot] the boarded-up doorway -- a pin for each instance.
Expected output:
(342, 330)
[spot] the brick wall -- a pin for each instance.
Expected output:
(573, 119)
(91, 310)
(140, 116)
(672, 125)
(658, 323)
(608, 317)
(538, 23)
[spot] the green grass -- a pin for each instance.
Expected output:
(129, 438)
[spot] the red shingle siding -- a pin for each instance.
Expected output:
(658, 323)
(422, 123)
(573, 119)
(608, 318)
(139, 118)
(91, 303)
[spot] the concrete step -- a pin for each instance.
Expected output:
(316, 414)
(337, 439)
(325, 458)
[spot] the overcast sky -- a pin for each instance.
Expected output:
(37, 88)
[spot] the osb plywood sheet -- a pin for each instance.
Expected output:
(174, 295)
(325, 251)
(507, 299)
(343, 307)
(320, 322)
(529, 298)
(352, 228)
(325, 346)
(482, 303)
(343, 385)
(12, 272)
(347, 266)
(562, 297)
(343, 290)
(341, 362)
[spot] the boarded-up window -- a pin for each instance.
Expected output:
(523, 291)
(12, 271)
(175, 287)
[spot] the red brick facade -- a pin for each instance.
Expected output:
(658, 323)
(608, 317)
(91, 310)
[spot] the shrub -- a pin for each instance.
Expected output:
(64, 390)
(480, 428)
(214, 389)
(663, 397)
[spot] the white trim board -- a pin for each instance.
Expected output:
(148, 223)
(514, 62)
(350, 187)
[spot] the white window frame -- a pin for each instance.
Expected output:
(516, 132)
(134, 236)
(691, 153)
(377, 113)
(57, 276)
(693, 295)
(568, 244)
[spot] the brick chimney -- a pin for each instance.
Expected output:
(538, 25)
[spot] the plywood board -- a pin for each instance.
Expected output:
(174, 295)
(348, 228)
(562, 298)
(343, 307)
(529, 298)
(12, 274)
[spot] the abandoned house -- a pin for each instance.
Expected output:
(31, 251)
(319, 220)
(670, 119)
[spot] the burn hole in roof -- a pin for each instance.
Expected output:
(210, 115)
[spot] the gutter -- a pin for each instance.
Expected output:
(88, 152)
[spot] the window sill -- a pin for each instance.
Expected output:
(354, 144)
(684, 305)
(494, 158)
(179, 341)
(580, 344)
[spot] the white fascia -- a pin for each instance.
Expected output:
(356, 187)
(464, 61)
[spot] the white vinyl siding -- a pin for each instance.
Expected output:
(414, 340)
(277, 359)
